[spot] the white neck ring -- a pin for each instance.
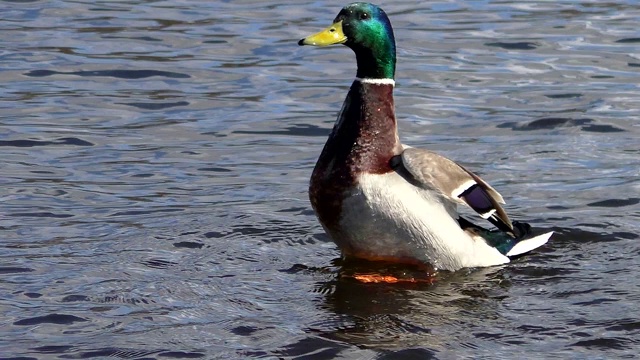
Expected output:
(377, 81)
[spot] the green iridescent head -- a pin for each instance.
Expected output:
(366, 29)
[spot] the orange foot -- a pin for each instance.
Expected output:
(390, 279)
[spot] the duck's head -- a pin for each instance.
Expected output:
(365, 28)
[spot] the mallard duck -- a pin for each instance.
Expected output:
(381, 200)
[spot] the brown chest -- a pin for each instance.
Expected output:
(363, 140)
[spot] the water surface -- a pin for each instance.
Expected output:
(156, 157)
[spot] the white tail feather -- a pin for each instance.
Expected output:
(527, 245)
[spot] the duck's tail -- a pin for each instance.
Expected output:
(506, 244)
(528, 244)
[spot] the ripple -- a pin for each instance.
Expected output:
(43, 214)
(32, 143)
(628, 40)
(122, 74)
(606, 343)
(159, 263)
(615, 202)
(52, 349)
(296, 130)
(181, 355)
(75, 298)
(584, 124)
(157, 105)
(564, 96)
(60, 319)
(188, 245)
(156, 159)
(14, 270)
(312, 346)
(523, 45)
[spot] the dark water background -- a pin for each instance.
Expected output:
(156, 155)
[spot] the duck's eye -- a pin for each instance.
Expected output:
(364, 16)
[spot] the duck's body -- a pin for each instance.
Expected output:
(381, 200)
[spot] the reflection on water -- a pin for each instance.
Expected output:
(156, 157)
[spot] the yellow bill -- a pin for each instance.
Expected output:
(329, 36)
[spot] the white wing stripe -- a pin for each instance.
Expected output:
(488, 214)
(462, 188)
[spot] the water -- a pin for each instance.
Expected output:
(156, 157)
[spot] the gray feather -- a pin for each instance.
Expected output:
(436, 172)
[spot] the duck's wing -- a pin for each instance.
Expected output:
(432, 171)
